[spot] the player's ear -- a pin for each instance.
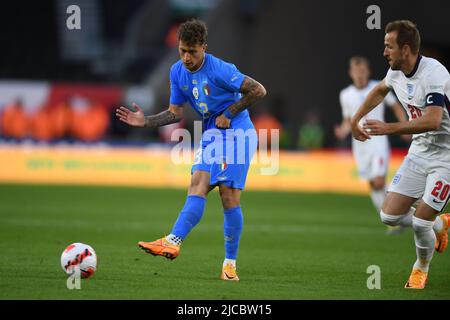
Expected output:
(406, 49)
(205, 46)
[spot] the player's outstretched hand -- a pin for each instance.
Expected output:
(358, 132)
(375, 127)
(135, 119)
(222, 122)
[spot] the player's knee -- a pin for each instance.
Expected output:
(390, 219)
(197, 188)
(229, 200)
(199, 184)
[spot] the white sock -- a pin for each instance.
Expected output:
(438, 225)
(173, 239)
(378, 197)
(425, 239)
(227, 261)
(407, 220)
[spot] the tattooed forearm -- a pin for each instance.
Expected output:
(252, 90)
(161, 119)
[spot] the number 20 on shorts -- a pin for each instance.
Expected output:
(441, 190)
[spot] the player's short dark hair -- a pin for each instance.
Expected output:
(407, 34)
(193, 32)
(357, 60)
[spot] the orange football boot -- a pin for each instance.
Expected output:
(442, 237)
(417, 279)
(161, 247)
(229, 273)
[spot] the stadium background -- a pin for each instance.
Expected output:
(59, 87)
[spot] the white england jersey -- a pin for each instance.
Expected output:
(374, 152)
(428, 84)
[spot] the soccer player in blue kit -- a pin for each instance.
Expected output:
(220, 94)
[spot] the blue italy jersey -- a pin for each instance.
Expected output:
(209, 90)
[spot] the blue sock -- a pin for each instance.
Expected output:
(232, 229)
(190, 216)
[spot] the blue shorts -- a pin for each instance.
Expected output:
(226, 154)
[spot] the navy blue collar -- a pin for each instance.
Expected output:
(413, 72)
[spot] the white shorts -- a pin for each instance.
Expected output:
(370, 167)
(372, 157)
(418, 177)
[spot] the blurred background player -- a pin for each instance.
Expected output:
(372, 157)
(220, 94)
(422, 85)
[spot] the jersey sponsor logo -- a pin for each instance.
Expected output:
(185, 88)
(195, 93)
(194, 81)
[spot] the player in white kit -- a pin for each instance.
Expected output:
(423, 86)
(372, 157)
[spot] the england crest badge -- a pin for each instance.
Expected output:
(410, 90)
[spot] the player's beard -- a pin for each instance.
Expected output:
(397, 65)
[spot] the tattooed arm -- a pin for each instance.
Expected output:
(138, 119)
(252, 91)
(172, 115)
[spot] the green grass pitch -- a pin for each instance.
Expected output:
(294, 246)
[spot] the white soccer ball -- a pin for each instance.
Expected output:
(79, 256)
